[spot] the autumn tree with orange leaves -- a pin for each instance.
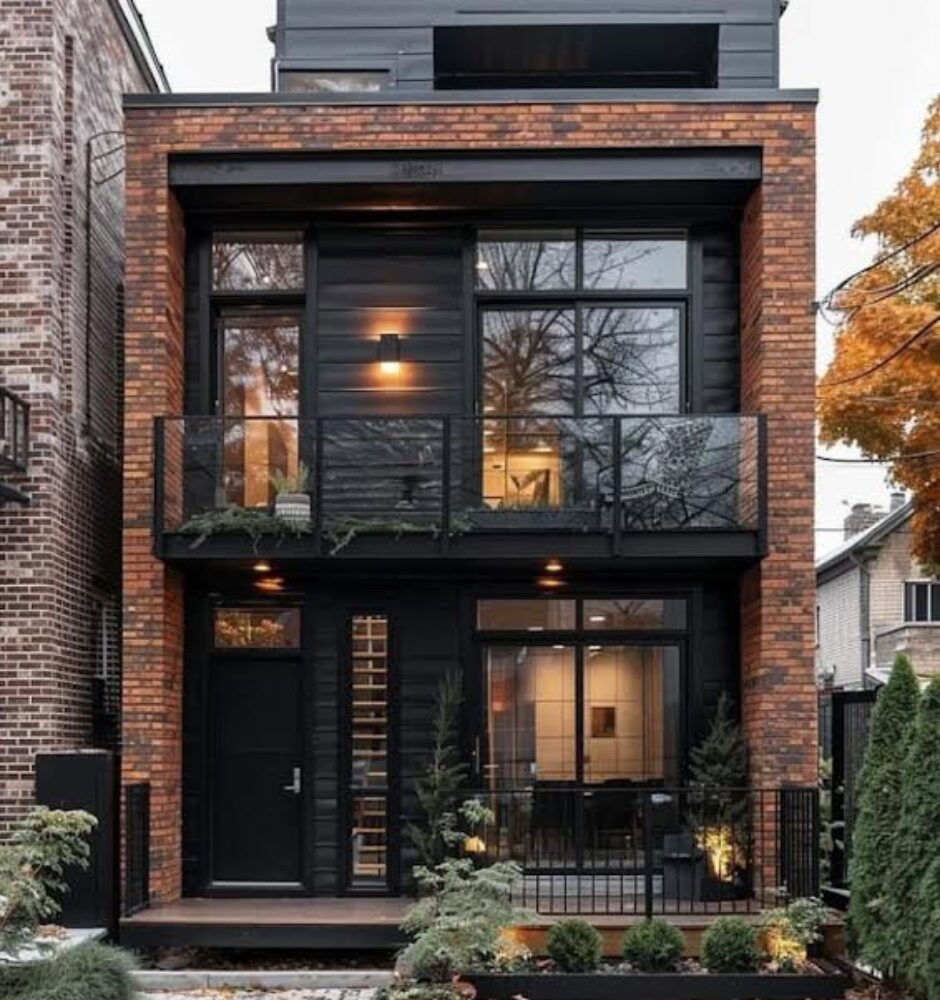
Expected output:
(882, 390)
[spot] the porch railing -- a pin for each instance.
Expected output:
(650, 851)
(449, 476)
(14, 432)
(136, 848)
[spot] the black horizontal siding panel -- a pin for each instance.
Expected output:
(719, 348)
(406, 403)
(362, 378)
(720, 377)
(352, 294)
(415, 347)
(365, 243)
(389, 269)
(746, 65)
(323, 43)
(748, 38)
(413, 323)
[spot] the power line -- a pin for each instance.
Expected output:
(896, 353)
(878, 461)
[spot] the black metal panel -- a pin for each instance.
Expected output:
(203, 934)
(88, 781)
(398, 34)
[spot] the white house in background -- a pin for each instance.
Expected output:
(873, 601)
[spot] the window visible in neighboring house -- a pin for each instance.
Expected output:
(106, 674)
(333, 81)
(922, 601)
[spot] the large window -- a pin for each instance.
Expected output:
(582, 691)
(573, 324)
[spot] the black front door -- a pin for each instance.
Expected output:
(257, 781)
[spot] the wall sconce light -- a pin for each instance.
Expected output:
(389, 354)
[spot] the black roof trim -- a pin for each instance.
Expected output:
(132, 24)
(409, 97)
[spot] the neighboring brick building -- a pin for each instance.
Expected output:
(64, 68)
(874, 600)
(534, 348)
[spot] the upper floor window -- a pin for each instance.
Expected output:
(257, 262)
(330, 81)
(922, 602)
(538, 56)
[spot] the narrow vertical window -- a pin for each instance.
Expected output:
(369, 750)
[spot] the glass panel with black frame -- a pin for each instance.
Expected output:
(369, 752)
(577, 723)
(260, 356)
(257, 262)
(556, 374)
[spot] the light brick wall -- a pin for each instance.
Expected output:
(64, 65)
(779, 695)
(840, 623)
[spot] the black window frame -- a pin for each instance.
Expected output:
(580, 639)
(930, 589)
(579, 299)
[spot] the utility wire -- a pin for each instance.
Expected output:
(896, 353)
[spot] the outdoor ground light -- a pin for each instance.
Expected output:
(389, 353)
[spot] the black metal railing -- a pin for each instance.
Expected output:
(136, 848)
(14, 432)
(333, 478)
(649, 851)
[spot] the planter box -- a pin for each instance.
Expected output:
(827, 984)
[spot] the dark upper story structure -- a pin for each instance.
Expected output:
(409, 45)
(504, 378)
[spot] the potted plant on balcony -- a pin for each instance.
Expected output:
(292, 502)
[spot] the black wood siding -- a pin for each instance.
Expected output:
(431, 636)
(398, 35)
(720, 312)
(378, 281)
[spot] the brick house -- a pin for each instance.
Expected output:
(874, 600)
(481, 347)
(64, 68)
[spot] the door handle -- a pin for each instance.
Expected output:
(295, 786)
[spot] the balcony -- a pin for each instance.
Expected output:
(14, 444)
(331, 487)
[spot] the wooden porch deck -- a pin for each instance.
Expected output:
(350, 923)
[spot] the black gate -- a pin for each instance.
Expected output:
(851, 717)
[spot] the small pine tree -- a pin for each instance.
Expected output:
(717, 764)
(918, 836)
(438, 789)
(878, 815)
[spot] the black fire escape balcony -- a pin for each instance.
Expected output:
(14, 445)
(645, 487)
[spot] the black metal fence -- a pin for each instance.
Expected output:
(851, 718)
(136, 848)
(651, 851)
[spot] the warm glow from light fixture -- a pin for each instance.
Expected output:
(554, 566)
(550, 582)
(262, 567)
(270, 585)
(474, 845)
(598, 619)
(389, 354)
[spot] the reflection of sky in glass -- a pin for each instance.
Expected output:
(635, 264)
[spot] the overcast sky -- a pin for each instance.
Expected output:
(875, 63)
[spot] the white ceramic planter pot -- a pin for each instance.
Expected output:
(293, 508)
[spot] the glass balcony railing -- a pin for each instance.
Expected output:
(333, 479)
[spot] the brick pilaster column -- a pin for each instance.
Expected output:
(153, 592)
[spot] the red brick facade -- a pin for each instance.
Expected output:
(778, 379)
(64, 66)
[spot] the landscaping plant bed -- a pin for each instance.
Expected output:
(825, 983)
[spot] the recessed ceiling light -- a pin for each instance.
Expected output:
(554, 566)
(270, 585)
(262, 567)
(550, 582)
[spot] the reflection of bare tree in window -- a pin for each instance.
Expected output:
(530, 265)
(257, 266)
(631, 360)
(261, 365)
(619, 263)
(528, 361)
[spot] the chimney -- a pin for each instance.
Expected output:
(861, 517)
(898, 499)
